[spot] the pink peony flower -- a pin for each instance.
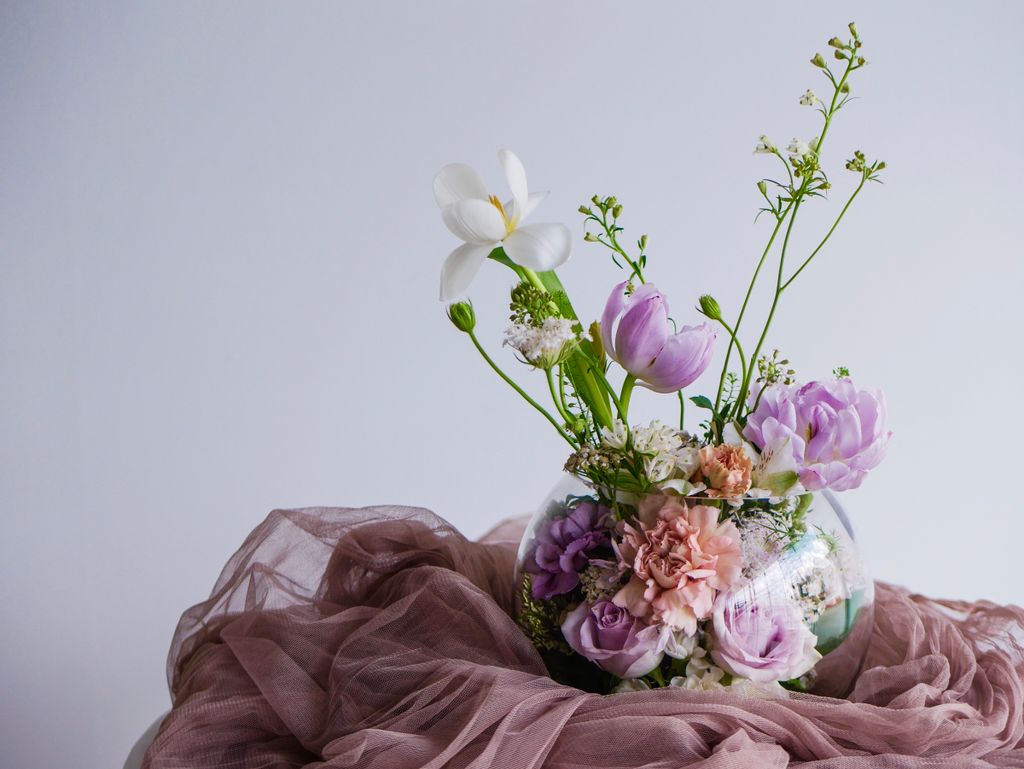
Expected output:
(835, 432)
(615, 641)
(726, 470)
(681, 556)
(763, 641)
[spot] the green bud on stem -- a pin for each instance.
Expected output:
(710, 308)
(818, 61)
(462, 316)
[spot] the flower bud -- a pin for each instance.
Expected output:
(590, 237)
(710, 307)
(844, 88)
(840, 55)
(853, 29)
(617, 210)
(595, 341)
(763, 187)
(642, 242)
(585, 211)
(880, 165)
(835, 42)
(596, 200)
(818, 61)
(861, 61)
(461, 314)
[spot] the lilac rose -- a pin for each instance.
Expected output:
(762, 641)
(834, 432)
(562, 549)
(613, 639)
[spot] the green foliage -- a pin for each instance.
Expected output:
(532, 306)
(541, 620)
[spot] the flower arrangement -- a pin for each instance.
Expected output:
(680, 559)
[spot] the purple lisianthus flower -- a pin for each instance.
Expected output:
(835, 432)
(635, 334)
(762, 641)
(613, 639)
(562, 549)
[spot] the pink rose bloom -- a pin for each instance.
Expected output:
(615, 641)
(680, 556)
(764, 641)
(726, 470)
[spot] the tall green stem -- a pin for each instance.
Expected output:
(746, 300)
(798, 198)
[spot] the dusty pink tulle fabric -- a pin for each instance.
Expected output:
(380, 638)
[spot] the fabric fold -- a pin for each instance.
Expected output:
(380, 638)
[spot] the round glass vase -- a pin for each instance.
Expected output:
(798, 549)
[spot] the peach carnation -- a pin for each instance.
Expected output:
(680, 556)
(726, 470)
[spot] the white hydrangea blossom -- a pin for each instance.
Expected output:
(542, 346)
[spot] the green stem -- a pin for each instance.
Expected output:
(555, 399)
(827, 234)
(518, 389)
(734, 340)
(795, 205)
(682, 410)
(625, 395)
(746, 301)
(744, 388)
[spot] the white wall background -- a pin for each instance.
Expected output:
(219, 256)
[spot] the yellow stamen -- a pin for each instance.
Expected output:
(509, 224)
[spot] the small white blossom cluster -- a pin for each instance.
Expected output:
(669, 458)
(542, 346)
(701, 673)
(798, 149)
(809, 99)
(764, 146)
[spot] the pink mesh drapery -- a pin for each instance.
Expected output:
(380, 638)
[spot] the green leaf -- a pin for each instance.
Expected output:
(702, 401)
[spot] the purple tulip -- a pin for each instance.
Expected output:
(613, 639)
(563, 547)
(765, 642)
(836, 433)
(636, 334)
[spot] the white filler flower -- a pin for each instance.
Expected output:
(484, 222)
(542, 346)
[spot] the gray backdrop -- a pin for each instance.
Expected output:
(219, 258)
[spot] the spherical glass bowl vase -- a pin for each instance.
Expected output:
(799, 559)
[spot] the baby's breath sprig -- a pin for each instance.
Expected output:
(605, 213)
(773, 370)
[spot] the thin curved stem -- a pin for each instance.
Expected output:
(828, 234)
(518, 389)
(555, 399)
